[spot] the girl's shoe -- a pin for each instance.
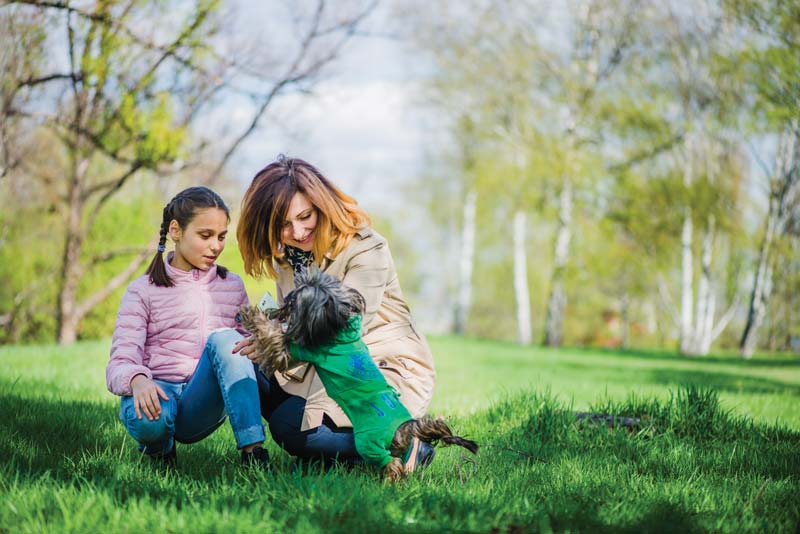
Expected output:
(168, 460)
(258, 458)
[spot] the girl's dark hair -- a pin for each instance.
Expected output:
(183, 208)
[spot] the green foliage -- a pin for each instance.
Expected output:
(769, 59)
(692, 464)
(151, 124)
(233, 261)
(29, 254)
(129, 223)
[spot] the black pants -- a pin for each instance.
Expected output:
(284, 413)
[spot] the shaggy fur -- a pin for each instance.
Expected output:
(313, 314)
(272, 352)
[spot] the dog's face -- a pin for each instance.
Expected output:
(318, 308)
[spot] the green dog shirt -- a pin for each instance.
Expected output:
(353, 380)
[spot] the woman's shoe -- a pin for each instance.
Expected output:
(419, 454)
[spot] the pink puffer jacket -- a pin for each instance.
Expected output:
(161, 331)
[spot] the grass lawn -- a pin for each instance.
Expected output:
(718, 449)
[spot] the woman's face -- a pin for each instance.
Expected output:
(301, 220)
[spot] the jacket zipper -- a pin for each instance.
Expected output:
(201, 296)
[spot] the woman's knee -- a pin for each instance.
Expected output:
(143, 429)
(285, 428)
(288, 436)
(285, 423)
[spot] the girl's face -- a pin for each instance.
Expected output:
(199, 244)
(301, 220)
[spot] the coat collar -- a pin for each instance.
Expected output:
(361, 234)
(195, 275)
(285, 271)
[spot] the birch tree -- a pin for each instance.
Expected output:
(690, 44)
(783, 199)
(521, 292)
(465, 263)
(528, 96)
(768, 61)
(599, 43)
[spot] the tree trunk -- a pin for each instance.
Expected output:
(782, 191)
(762, 287)
(556, 302)
(687, 296)
(706, 302)
(464, 300)
(71, 267)
(625, 316)
(521, 281)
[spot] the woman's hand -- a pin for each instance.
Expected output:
(145, 397)
(245, 347)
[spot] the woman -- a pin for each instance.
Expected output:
(292, 217)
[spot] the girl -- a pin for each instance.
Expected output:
(293, 216)
(172, 388)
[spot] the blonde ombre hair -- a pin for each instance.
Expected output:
(266, 203)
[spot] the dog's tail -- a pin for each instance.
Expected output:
(430, 430)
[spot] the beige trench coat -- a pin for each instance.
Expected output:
(399, 350)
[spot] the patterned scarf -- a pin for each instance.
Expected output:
(298, 258)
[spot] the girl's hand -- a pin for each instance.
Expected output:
(145, 397)
(245, 348)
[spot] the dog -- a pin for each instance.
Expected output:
(320, 323)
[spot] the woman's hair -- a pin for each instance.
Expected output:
(266, 203)
(183, 208)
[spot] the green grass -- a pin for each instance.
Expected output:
(718, 450)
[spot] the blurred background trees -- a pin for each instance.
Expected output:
(631, 134)
(620, 173)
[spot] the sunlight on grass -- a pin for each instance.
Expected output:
(703, 454)
(473, 373)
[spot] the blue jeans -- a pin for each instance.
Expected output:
(223, 384)
(284, 413)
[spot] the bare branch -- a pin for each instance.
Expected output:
(726, 318)
(111, 254)
(83, 307)
(292, 76)
(113, 188)
(31, 82)
(648, 154)
(63, 6)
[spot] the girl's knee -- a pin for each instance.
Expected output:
(144, 430)
(233, 367)
(223, 340)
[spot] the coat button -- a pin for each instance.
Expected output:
(382, 363)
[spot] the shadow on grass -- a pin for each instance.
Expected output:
(70, 438)
(576, 512)
(654, 354)
(720, 381)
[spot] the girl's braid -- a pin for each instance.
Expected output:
(165, 220)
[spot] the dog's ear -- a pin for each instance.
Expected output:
(271, 353)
